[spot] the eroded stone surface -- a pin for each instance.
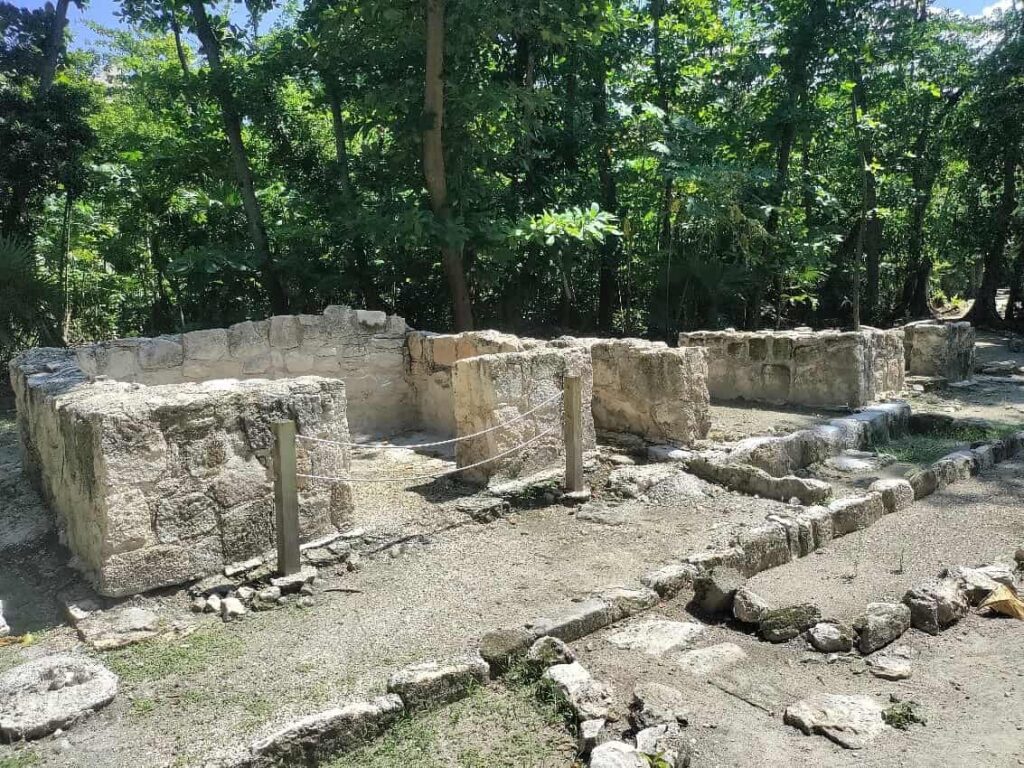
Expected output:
(880, 625)
(831, 637)
(588, 698)
(940, 349)
(53, 692)
(851, 721)
(657, 637)
(117, 627)
(434, 683)
(936, 605)
(706, 661)
(656, 704)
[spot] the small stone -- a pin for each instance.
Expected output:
(880, 625)
(198, 604)
(784, 624)
(665, 742)
(548, 651)
(831, 637)
(936, 605)
(294, 582)
(231, 608)
(670, 580)
(306, 601)
(748, 607)
(501, 646)
(245, 594)
(354, 562)
(892, 664)
(657, 704)
(213, 604)
(1018, 557)
(617, 754)
(588, 699)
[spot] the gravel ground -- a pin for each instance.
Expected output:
(736, 420)
(225, 684)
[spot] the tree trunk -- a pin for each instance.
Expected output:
(1015, 306)
(371, 296)
(179, 48)
(239, 158)
(608, 279)
(984, 313)
(51, 53)
(870, 235)
(433, 162)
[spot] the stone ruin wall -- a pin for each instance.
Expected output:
(159, 485)
(825, 368)
(500, 389)
(945, 350)
(366, 350)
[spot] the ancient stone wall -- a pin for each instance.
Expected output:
(802, 367)
(364, 349)
(500, 388)
(432, 357)
(158, 485)
(940, 349)
(647, 389)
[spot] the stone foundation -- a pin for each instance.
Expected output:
(494, 389)
(647, 389)
(826, 368)
(364, 349)
(940, 349)
(159, 485)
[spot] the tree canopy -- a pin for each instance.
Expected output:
(618, 167)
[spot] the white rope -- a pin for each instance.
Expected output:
(455, 471)
(392, 446)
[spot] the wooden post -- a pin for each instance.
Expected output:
(572, 432)
(286, 498)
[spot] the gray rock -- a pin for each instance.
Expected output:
(318, 736)
(897, 494)
(213, 604)
(5, 630)
(657, 704)
(656, 637)
(880, 625)
(782, 624)
(434, 683)
(198, 604)
(850, 721)
(714, 591)
(548, 651)
(231, 608)
(294, 582)
(245, 594)
(748, 607)
(576, 621)
(975, 583)
(892, 664)
(617, 754)
(831, 637)
(267, 599)
(53, 692)
(501, 646)
(592, 733)
(624, 602)
(118, 627)
(936, 605)
(666, 742)
(670, 580)
(588, 698)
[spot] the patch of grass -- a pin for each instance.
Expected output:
(924, 449)
(903, 715)
(152, 661)
(142, 706)
(493, 726)
(22, 759)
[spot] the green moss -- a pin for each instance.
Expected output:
(903, 715)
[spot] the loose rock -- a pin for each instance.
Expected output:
(437, 682)
(831, 637)
(880, 625)
(784, 624)
(617, 754)
(714, 591)
(657, 637)
(118, 627)
(589, 699)
(294, 582)
(936, 605)
(4, 629)
(53, 692)
(500, 646)
(893, 664)
(592, 733)
(548, 651)
(748, 607)
(231, 608)
(666, 742)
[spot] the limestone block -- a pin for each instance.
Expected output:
(161, 353)
(897, 494)
(249, 339)
(856, 512)
(285, 332)
(946, 350)
(434, 683)
(495, 390)
(211, 345)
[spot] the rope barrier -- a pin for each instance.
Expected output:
(455, 471)
(391, 446)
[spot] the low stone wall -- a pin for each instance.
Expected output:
(159, 485)
(829, 368)
(364, 349)
(647, 389)
(495, 389)
(432, 357)
(940, 349)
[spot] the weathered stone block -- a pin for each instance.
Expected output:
(208, 345)
(434, 683)
(946, 350)
(897, 494)
(856, 512)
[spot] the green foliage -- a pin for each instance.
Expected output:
(21, 759)
(903, 714)
(28, 298)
